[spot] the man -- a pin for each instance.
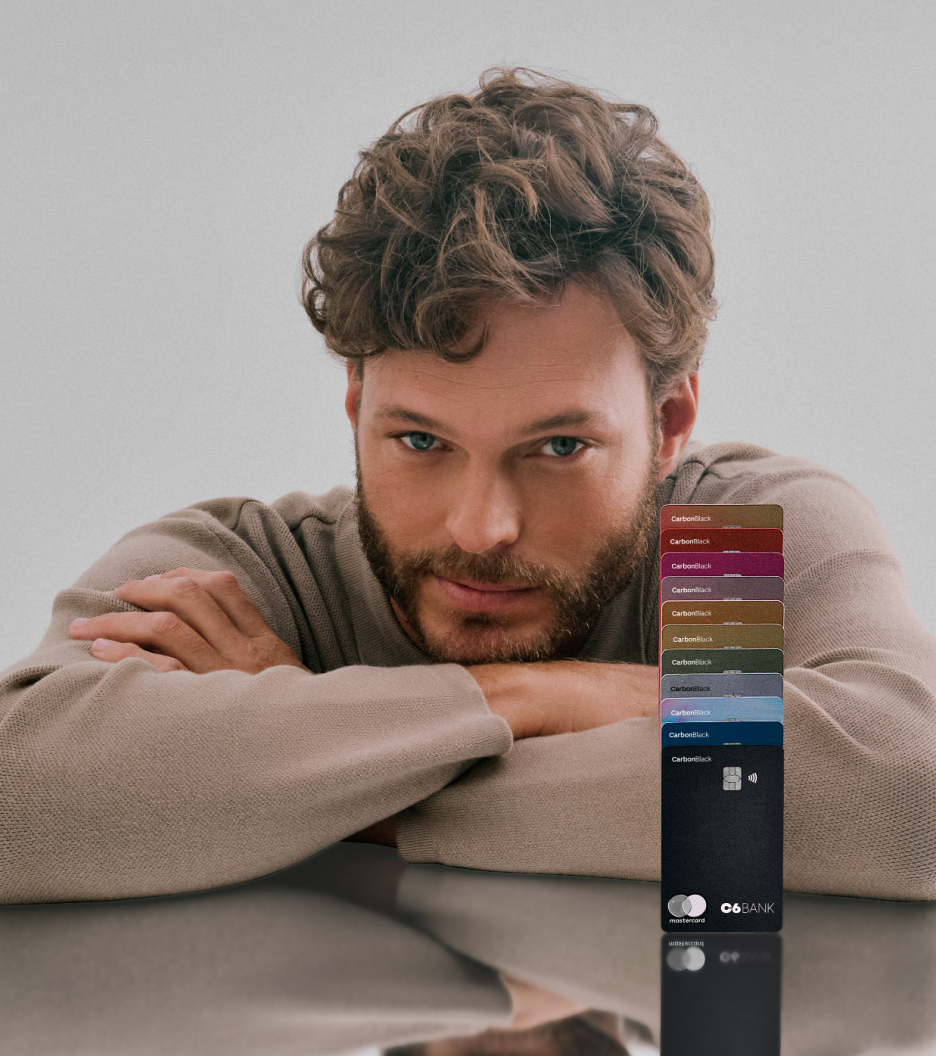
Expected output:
(520, 281)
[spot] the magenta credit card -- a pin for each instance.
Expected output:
(743, 564)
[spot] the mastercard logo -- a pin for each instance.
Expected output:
(686, 906)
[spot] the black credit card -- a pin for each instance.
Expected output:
(722, 838)
(720, 995)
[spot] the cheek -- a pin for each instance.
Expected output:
(407, 505)
(576, 506)
(567, 519)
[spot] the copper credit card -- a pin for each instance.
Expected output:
(764, 515)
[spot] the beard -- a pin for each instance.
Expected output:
(576, 599)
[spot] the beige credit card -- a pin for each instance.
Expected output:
(722, 612)
(722, 636)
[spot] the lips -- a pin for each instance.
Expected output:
(482, 597)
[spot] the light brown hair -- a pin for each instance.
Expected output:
(508, 193)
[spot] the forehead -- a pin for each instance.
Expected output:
(572, 354)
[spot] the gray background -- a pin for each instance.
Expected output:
(163, 165)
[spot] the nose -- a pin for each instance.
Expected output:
(484, 513)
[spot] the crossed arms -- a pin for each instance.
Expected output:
(121, 777)
(198, 621)
(192, 620)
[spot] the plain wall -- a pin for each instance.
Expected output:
(163, 165)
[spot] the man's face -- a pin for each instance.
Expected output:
(502, 501)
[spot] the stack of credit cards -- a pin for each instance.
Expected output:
(721, 717)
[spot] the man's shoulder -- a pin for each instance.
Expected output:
(299, 506)
(737, 472)
(824, 514)
(293, 508)
(293, 533)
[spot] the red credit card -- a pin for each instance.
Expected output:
(719, 540)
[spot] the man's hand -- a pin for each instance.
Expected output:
(567, 696)
(558, 696)
(195, 621)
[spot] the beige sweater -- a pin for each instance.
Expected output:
(119, 781)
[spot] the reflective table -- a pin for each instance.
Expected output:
(355, 950)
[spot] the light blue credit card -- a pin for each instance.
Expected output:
(722, 709)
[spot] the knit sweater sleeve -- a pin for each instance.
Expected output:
(860, 728)
(118, 781)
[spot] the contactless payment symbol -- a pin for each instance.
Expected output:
(686, 906)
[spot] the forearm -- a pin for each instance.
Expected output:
(121, 781)
(859, 815)
(578, 803)
(860, 768)
(542, 699)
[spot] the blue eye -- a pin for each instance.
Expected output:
(419, 441)
(563, 446)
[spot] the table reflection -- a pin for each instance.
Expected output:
(352, 950)
(720, 994)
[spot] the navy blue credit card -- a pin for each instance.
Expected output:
(728, 732)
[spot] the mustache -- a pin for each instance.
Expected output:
(455, 563)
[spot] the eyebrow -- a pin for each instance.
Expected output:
(549, 424)
(565, 420)
(407, 417)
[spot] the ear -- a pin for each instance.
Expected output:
(353, 395)
(677, 415)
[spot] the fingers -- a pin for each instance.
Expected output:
(157, 632)
(113, 652)
(202, 619)
(184, 597)
(226, 592)
(214, 604)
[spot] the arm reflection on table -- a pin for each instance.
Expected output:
(255, 969)
(499, 963)
(859, 975)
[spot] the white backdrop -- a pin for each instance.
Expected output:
(163, 165)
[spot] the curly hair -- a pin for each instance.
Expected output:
(507, 194)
